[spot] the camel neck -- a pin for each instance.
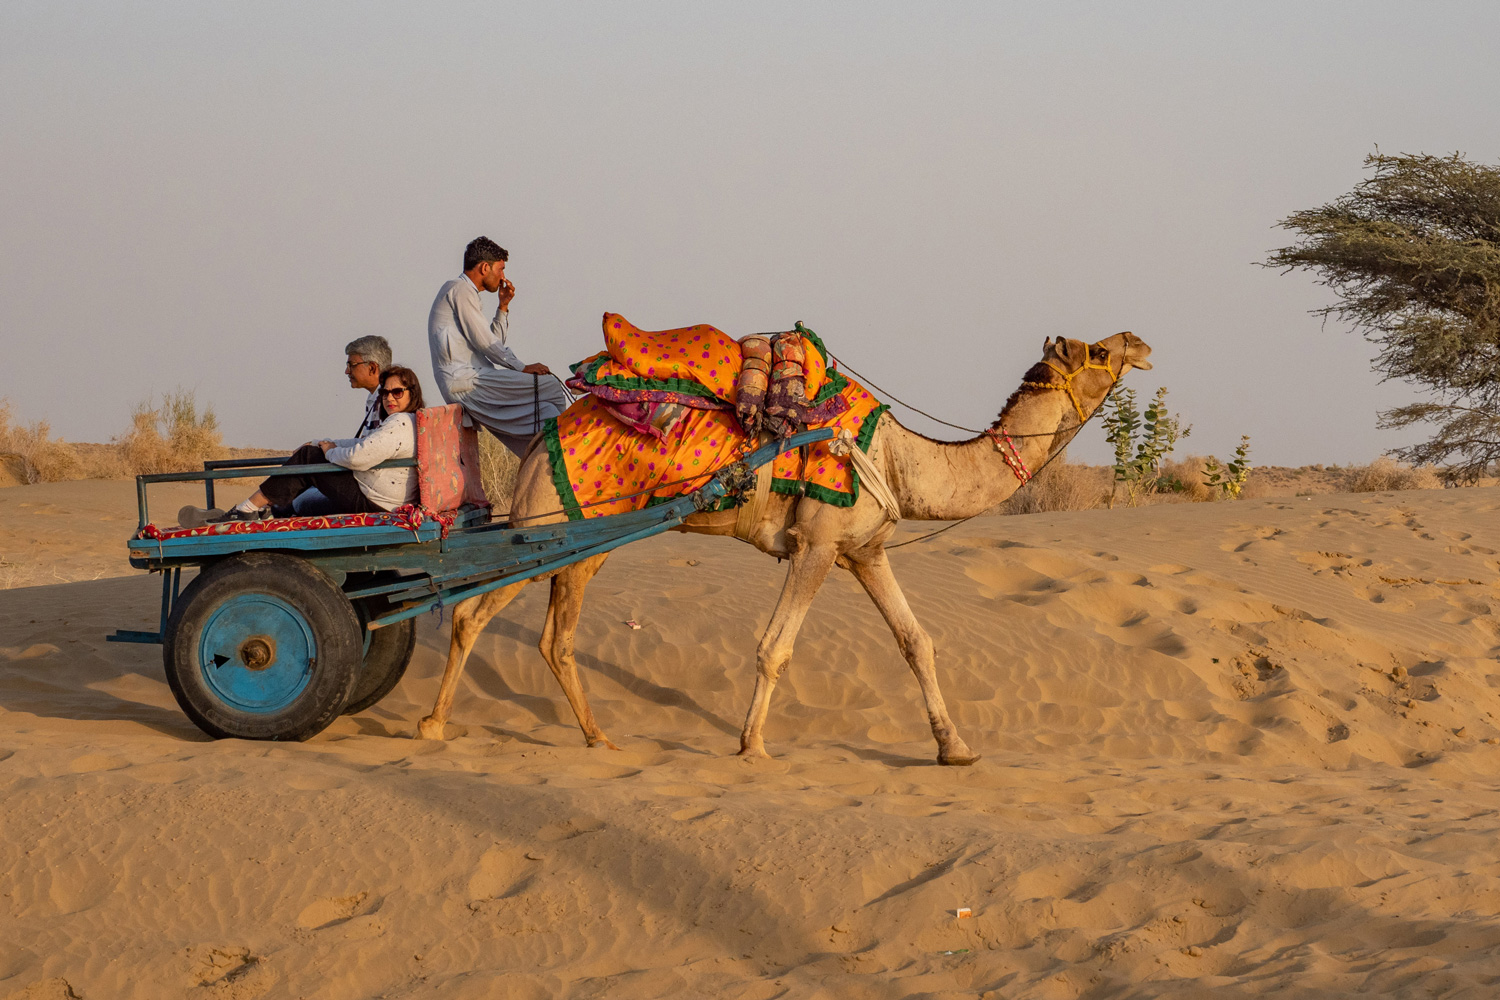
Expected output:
(946, 480)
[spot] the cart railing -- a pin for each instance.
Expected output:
(234, 468)
(438, 570)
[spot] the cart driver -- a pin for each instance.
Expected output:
(473, 364)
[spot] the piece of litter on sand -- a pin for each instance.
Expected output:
(962, 913)
(632, 623)
(956, 951)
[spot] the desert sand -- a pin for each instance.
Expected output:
(1234, 749)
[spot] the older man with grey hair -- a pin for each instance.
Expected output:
(367, 358)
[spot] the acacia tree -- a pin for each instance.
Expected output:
(1413, 253)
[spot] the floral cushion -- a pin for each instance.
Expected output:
(447, 460)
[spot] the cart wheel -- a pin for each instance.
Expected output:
(387, 652)
(262, 646)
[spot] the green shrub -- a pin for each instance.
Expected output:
(1141, 441)
(1228, 481)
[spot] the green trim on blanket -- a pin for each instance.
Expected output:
(588, 370)
(798, 487)
(817, 341)
(560, 470)
(837, 381)
(867, 429)
(836, 384)
(687, 387)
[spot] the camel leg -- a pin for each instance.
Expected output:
(563, 611)
(469, 619)
(809, 568)
(874, 574)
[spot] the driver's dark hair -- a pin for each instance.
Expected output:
(482, 249)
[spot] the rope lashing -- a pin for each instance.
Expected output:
(995, 434)
(870, 476)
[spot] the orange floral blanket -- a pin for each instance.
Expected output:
(601, 466)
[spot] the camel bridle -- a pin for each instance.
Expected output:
(1007, 448)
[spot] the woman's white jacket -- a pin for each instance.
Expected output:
(396, 437)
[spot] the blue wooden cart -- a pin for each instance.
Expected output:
(282, 631)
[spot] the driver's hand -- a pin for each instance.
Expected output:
(537, 369)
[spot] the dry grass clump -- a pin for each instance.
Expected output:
(1061, 486)
(1185, 479)
(498, 466)
(170, 437)
(31, 454)
(1386, 474)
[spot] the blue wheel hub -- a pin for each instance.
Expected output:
(257, 653)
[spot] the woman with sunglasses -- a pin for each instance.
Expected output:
(362, 490)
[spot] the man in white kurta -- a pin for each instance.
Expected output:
(471, 361)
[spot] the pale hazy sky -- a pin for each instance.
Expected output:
(219, 197)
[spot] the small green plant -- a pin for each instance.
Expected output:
(1141, 441)
(1228, 480)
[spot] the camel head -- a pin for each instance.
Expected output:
(1087, 372)
(1083, 373)
(1127, 351)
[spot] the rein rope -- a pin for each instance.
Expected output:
(1009, 452)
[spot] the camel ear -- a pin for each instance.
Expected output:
(1071, 353)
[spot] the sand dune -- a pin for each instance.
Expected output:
(1230, 749)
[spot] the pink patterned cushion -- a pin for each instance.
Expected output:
(447, 460)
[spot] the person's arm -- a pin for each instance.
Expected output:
(385, 441)
(487, 339)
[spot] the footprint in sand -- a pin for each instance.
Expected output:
(575, 827)
(168, 772)
(31, 652)
(315, 782)
(331, 910)
(503, 873)
(96, 762)
(692, 814)
(227, 973)
(46, 989)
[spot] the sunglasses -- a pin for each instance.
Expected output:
(398, 391)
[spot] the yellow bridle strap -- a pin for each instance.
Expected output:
(1067, 381)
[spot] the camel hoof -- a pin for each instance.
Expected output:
(754, 753)
(602, 741)
(957, 761)
(429, 729)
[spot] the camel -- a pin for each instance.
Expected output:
(931, 480)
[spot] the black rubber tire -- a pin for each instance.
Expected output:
(386, 658)
(312, 595)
